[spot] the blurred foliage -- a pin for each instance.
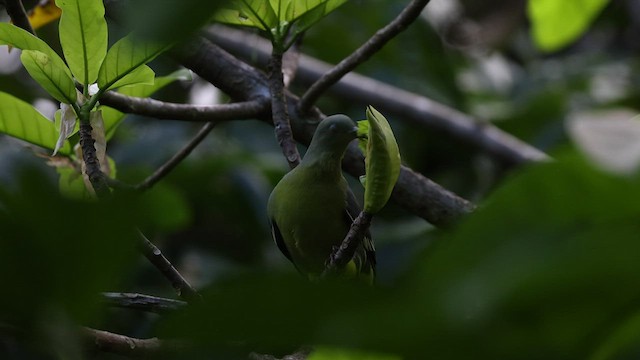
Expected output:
(546, 268)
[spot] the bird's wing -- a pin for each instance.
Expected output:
(277, 238)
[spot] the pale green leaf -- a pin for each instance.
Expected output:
(142, 75)
(51, 77)
(254, 13)
(14, 36)
(123, 58)
(83, 35)
(382, 162)
(113, 118)
(557, 23)
(305, 13)
(363, 135)
(22, 121)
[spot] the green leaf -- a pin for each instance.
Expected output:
(556, 24)
(382, 162)
(14, 36)
(124, 58)
(363, 135)
(276, 15)
(83, 35)
(22, 121)
(51, 77)
(113, 118)
(325, 353)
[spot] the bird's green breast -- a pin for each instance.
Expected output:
(308, 208)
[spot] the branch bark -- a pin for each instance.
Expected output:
(197, 113)
(142, 302)
(90, 158)
(362, 54)
(124, 345)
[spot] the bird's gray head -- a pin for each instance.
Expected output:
(335, 132)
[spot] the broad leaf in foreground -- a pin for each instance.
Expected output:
(51, 77)
(22, 121)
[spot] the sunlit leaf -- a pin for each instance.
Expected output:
(52, 78)
(16, 37)
(124, 58)
(21, 120)
(307, 13)
(556, 24)
(382, 162)
(83, 35)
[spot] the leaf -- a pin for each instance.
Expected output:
(67, 119)
(142, 75)
(254, 13)
(16, 37)
(22, 121)
(556, 24)
(44, 13)
(325, 353)
(83, 35)
(124, 58)
(382, 162)
(307, 13)
(113, 117)
(363, 135)
(52, 78)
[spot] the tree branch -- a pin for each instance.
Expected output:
(416, 109)
(170, 111)
(90, 158)
(179, 283)
(362, 54)
(124, 345)
(18, 15)
(142, 302)
(279, 111)
(343, 254)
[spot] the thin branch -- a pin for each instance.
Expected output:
(176, 159)
(18, 15)
(279, 110)
(343, 254)
(405, 105)
(142, 302)
(185, 112)
(362, 54)
(124, 345)
(179, 283)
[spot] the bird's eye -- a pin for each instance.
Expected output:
(333, 128)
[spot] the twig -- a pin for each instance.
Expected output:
(179, 283)
(124, 345)
(362, 54)
(142, 302)
(176, 159)
(279, 111)
(96, 177)
(18, 15)
(167, 167)
(343, 254)
(185, 112)
(414, 108)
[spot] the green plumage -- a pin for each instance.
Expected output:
(308, 207)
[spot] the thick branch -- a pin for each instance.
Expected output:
(96, 177)
(417, 109)
(279, 111)
(179, 283)
(18, 15)
(124, 345)
(185, 112)
(142, 302)
(362, 54)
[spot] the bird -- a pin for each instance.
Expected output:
(311, 209)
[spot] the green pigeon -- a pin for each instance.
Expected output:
(311, 209)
